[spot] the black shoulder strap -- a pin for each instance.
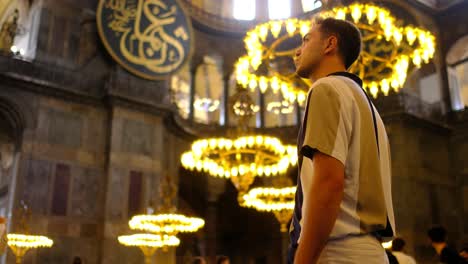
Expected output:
(374, 120)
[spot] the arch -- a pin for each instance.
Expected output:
(458, 51)
(15, 121)
(209, 87)
(457, 69)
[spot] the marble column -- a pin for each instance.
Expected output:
(215, 187)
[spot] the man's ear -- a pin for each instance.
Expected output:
(331, 44)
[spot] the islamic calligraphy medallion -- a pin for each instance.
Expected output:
(150, 38)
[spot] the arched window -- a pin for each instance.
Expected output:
(22, 19)
(180, 87)
(254, 121)
(309, 5)
(279, 9)
(278, 111)
(457, 61)
(209, 87)
(244, 9)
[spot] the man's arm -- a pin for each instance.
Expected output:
(322, 206)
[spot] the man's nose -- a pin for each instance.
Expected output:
(298, 52)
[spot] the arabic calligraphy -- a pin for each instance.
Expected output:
(150, 37)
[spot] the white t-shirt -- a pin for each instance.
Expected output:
(339, 123)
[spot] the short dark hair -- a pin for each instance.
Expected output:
(398, 244)
(221, 259)
(348, 35)
(437, 234)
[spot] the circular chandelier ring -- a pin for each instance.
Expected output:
(149, 240)
(166, 223)
(413, 44)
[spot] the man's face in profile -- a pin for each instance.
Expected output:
(309, 55)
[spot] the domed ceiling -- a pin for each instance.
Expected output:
(237, 16)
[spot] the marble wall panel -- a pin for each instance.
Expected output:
(36, 184)
(60, 253)
(137, 137)
(86, 192)
(64, 128)
(116, 194)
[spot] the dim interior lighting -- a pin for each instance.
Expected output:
(389, 50)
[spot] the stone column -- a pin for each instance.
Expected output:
(215, 187)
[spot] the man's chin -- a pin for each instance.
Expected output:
(301, 73)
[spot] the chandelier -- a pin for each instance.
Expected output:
(149, 243)
(244, 155)
(279, 201)
(240, 159)
(388, 50)
(168, 221)
(170, 224)
(20, 244)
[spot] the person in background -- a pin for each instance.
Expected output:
(223, 260)
(464, 254)
(398, 246)
(448, 255)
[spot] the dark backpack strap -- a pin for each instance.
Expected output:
(374, 120)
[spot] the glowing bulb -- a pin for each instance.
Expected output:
(263, 84)
(275, 28)
(291, 26)
(340, 14)
(374, 89)
(385, 86)
(305, 27)
(275, 84)
(263, 32)
(371, 14)
(417, 59)
(356, 12)
(410, 35)
(252, 84)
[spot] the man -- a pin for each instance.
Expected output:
(343, 199)
(438, 237)
(464, 254)
(398, 245)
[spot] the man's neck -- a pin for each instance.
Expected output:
(327, 68)
(439, 247)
